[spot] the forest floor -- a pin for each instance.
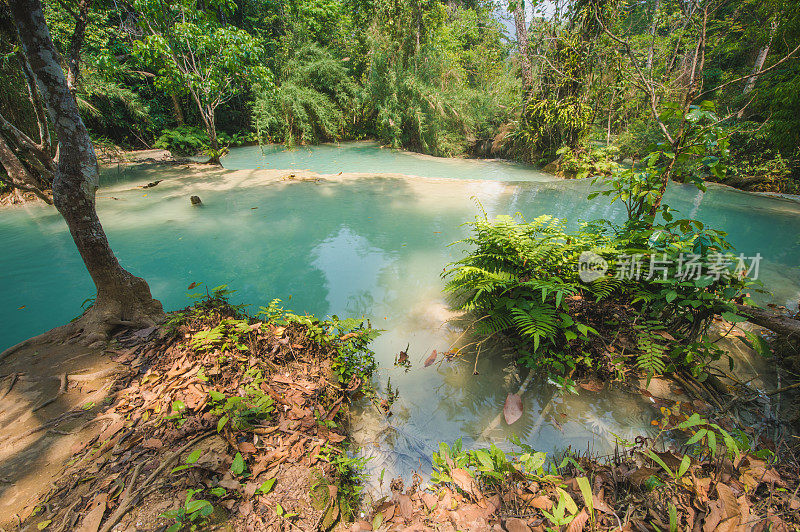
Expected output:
(232, 424)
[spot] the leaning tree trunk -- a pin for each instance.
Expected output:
(122, 299)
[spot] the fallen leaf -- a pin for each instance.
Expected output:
(591, 386)
(93, 518)
(515, 524)
(512, 410)
(247, 447)
(665, 335)
(431, 359)
(638, 477)
(464, 480)
(729, 503)
(542, 503)
(152, 443)
(405, 506)
(193, 286)
(578, 522)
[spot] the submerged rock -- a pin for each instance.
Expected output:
(196, 200)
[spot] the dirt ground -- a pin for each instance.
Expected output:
(48, 393)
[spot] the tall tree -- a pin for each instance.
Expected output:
(193, 53)
(26, 151)
(122, 298)
(520, 25)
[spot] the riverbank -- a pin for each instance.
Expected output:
(232, 422)
(121, 161)
(210, 418)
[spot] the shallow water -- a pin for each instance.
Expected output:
(371, 246)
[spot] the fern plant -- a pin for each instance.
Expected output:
(521, 283)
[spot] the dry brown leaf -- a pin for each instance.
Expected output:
(591, 386)
(247, 447)
(93, 518)
(464, 480)
(512, 410)
(542, 503)
(404, 505)
(714, 516)
(729, 503)
(577, 524)
(431, 359)
(638, 476)
(515, 524)
(152, 443)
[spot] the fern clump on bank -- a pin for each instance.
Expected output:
(601, 299)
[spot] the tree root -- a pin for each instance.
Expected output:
(93, 329)
(130, 498)
(62, 388)
(13, 380)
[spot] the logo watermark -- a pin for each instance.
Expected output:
(685, 266)
(591, 266)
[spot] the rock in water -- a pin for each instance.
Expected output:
(196, 200)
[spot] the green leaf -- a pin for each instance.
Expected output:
(238, 465)
(586, 491)
(221, 423)
(733, 318)
(671, 295)
(194, 457)
(697, 437)
(266, 486)
(44, 524)
(685, 463)
(194, 506)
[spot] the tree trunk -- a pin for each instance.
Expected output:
(122, 299)
(761, 58)
(176, 109)
(19, 178)
(76, 43)
(211, 128)
(653, 28)
(518, 7)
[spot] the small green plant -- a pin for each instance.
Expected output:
(349, 337)
(350, 475)
(193, 515)
(587, 161)
(193, 457)
(242, 412)
(523, 282)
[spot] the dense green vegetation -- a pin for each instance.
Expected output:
(584, 84)
(604, 298)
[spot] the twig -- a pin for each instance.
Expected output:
(128, 500)
(784, 389)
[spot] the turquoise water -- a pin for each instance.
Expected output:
(370, 157)
(363, 245)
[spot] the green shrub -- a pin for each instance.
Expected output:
(586, 161)
(186, 141)
(522, 284)
(313, 104)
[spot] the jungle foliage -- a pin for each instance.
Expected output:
(442, 77)
(604, 298)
